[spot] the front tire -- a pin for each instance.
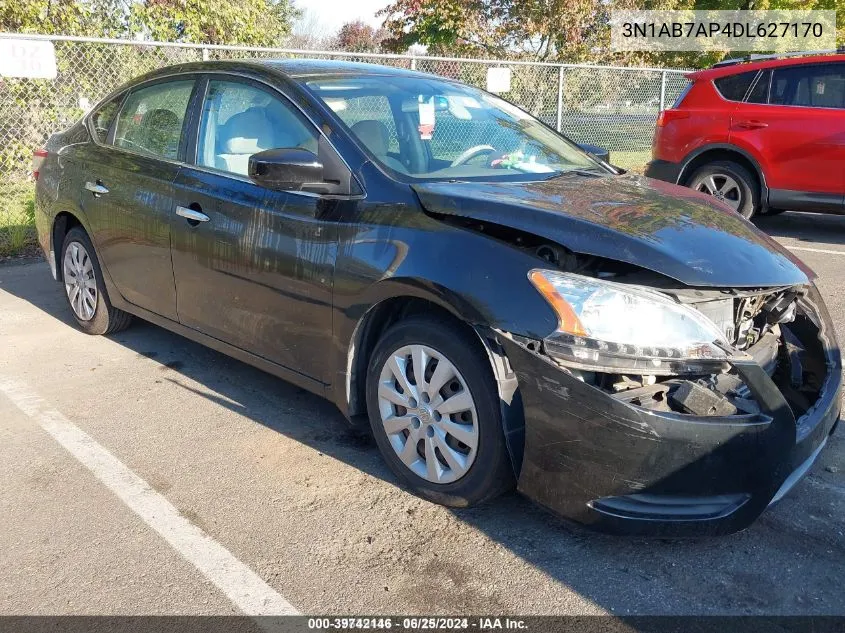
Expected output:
(729, 183)
(441, 434)
(85, 289)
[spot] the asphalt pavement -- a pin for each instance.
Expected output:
(145, 474)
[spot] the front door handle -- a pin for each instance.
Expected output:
(751, 125)
(191, 215)
(96, 188)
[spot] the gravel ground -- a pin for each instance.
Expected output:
(282, 481)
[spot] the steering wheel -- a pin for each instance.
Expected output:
(471, 153)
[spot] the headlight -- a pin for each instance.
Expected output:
(612, 327)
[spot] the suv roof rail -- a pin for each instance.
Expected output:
(757, 58)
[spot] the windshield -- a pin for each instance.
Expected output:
(428, 129)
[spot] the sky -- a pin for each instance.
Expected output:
(332, 14)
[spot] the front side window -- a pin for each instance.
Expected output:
(103, 117)
(428, 128)
(150, 121)
(811, 86)
(239, 120)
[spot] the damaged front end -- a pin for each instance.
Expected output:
(695, 435)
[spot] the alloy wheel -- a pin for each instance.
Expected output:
(428, 414)
(80, 281)
(722, 187)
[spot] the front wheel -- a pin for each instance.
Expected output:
(84, 287)
(730, 183)
(434, 410)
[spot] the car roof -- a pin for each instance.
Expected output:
(296, 69)
(743, 67)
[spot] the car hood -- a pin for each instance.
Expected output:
(659, 226)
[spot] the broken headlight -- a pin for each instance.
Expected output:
(616, 328)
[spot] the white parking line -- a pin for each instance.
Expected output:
(814, 250)
(240, 584)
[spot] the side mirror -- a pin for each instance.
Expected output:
(286, 169)
(595, 150)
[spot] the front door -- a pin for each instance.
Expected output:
(128, 198)
(253, 266)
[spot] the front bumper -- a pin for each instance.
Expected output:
(620, 468)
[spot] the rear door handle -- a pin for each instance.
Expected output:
(191, 215)
(750, 125)
(96, 188)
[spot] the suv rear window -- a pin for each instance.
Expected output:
(734, 87)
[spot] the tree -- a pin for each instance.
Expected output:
(360, 37)
(103, 18)
(548, 30)
(250, 22)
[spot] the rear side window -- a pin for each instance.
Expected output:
(734, 87)
(760, 90)
(103, 117)
(816, 86)
(150, 121)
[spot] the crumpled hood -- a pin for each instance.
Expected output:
(665, 228)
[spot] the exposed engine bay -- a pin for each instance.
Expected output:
(765, 323)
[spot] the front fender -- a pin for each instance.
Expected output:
(478, 279)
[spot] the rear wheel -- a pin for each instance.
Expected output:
(84, 287)
(730, 183)
(434, 410)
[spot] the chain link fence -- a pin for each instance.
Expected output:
(613, 107)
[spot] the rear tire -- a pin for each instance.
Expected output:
(729, 182)
(465, 471)
(85, 289)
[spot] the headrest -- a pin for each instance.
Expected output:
(373, 134)
(247, 133)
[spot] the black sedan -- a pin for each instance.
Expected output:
(504, 307)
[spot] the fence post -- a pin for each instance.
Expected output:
(662, 90)
(205, 54)
(413, 63)
(559, 97)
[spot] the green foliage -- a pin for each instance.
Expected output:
(250, 22)
(17, 219)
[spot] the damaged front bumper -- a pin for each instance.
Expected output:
(622, 468)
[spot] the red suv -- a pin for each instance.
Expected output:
(762, 136)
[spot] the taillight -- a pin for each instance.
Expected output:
(38, 158)
(667, 116)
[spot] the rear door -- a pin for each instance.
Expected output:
(127, 191)
(794, 119)
(253, 266)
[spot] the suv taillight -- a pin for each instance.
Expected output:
(667, 116)
(38, 158)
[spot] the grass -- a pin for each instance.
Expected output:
(632, 161)
(17, 218)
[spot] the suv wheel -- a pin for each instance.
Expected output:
(84, 288)
(434, 411)
(730, 183)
